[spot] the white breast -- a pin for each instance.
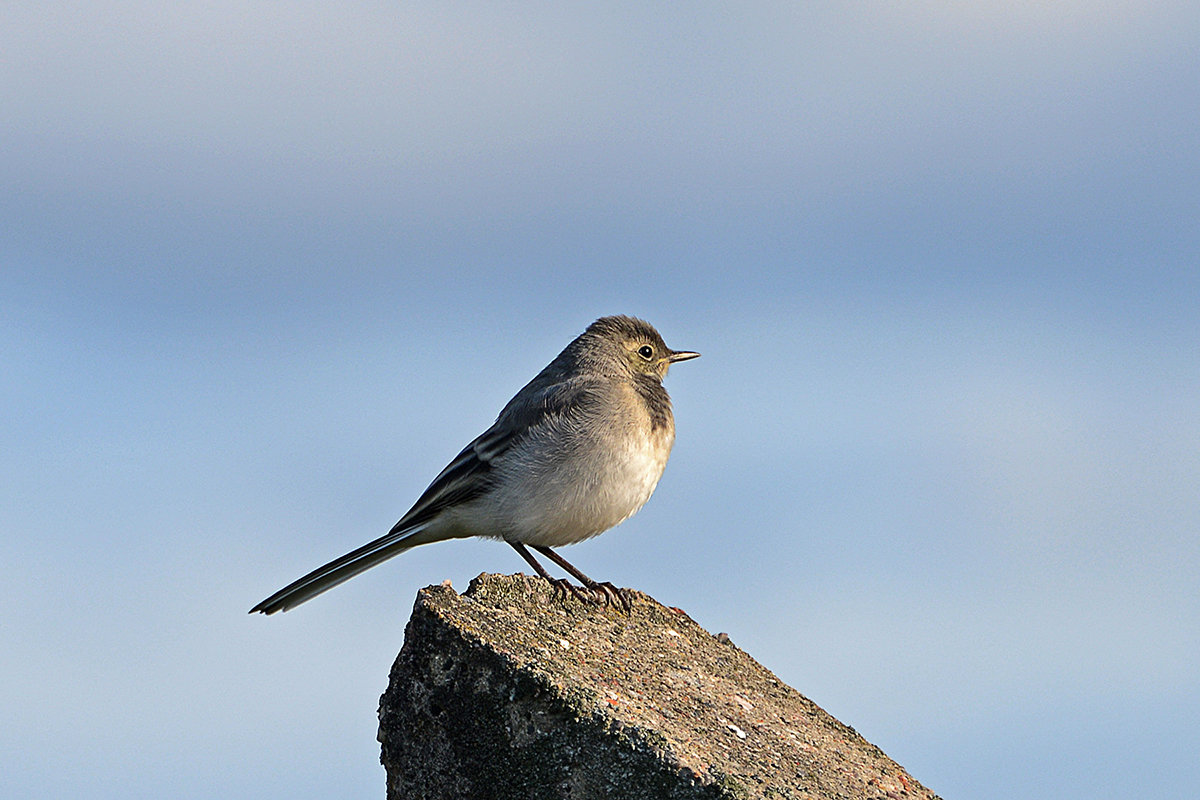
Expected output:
(586, 493)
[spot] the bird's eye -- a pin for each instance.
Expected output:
(646, 352)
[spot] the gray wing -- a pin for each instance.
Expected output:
(465, 478)
(469, 474)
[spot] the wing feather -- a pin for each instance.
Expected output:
(468, 476)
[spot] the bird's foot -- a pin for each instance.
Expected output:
(593, 594)
(562, 587)
(612, 595)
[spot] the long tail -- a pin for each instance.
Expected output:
(343, 569)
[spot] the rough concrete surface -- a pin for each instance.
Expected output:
(510, 691)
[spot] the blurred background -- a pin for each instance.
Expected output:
(265, 268)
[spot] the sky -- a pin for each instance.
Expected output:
(265, 268)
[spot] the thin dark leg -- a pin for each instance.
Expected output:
(607, 589)
(560, 584)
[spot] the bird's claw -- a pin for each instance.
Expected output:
(595, 594)
(613, 595)
(562, 586)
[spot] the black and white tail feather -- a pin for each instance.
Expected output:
(464, 479)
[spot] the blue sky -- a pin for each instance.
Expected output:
(265, 269)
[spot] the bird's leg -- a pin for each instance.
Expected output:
(609, 591)
(561, 585)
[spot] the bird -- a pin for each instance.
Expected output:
(578, 450)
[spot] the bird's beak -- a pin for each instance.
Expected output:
(681, 355)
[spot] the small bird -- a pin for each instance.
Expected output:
(578, 450)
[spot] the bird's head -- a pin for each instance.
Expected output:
(636, 345)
